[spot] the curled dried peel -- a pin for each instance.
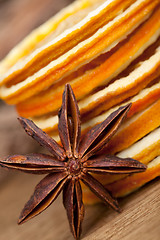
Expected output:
(68, 62)
(131, 130)
(34, 39)
(129, 184)
(56, 43)
(139, 102)
(121, 89)
(145, 150)
(112, 66)
(134, 129)
(67, 40)
(133, 182)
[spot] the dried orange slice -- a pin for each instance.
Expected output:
(68, 39)
(77, 56)
(119, 60)
(139, 102)
(129, 184)
(135, 128)
(53, 27)
(145, 150)
(131, 130)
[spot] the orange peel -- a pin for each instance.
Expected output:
(135, 128)
(131, 130)
(51, 100)
(145, 150)
(54, 26)
(139, 102)
(101, 41)
(129, 184)
(133, 182)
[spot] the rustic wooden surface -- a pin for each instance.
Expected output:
(139, 220)
(13, 139)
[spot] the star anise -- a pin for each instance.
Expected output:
(72, 163)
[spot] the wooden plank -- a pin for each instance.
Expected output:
(140, 217)
(13, 138)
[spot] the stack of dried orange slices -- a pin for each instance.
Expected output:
(109, 51)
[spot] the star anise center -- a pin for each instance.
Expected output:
(74, 166)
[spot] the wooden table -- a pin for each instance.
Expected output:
(139, 220)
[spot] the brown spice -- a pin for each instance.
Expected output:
(72, 163)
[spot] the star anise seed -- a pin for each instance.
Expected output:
(72, 163)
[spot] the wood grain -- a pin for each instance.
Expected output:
(139, 220)
(12, 136)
